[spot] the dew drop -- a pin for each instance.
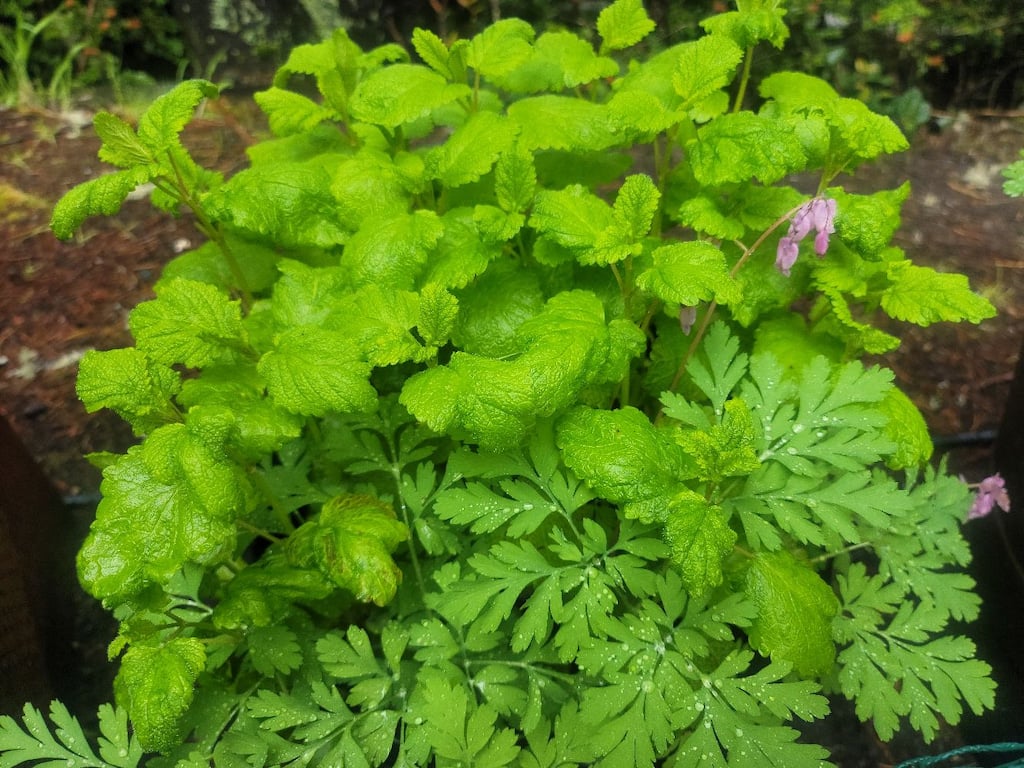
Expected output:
(798, 428)
(791, 451)
(418, 721)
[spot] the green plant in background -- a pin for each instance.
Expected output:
(19, 38)
(510, 416)
(53, 53)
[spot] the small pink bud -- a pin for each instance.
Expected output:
(687, 317)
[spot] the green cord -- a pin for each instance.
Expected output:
(931, 762)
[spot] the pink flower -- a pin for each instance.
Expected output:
(991, 493)
(817, 214)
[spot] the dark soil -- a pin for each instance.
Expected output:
(59, 299)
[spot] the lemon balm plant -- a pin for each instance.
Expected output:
(508, 416)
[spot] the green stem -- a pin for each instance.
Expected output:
(706, 322)
(212, 231)
(744, 79)
(396, 473)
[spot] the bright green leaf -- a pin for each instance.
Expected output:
(191, 323)
(922, 296)
(313, 371)
(794, 613)
(155, 685)
(622, 24)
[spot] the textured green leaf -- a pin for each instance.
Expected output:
(907, 429)
(432, 50)
(312, 371)
(797, 90)
(463, 252)
(573, 217)
(289, 204)
(866, 223)
(689, 273)
(165, 118)
(155, 685)
(923, 296)
(351, 543)
(390, 252)
(437, 313)
(750, 26)
(705, 66)
(121, 145)
(574, 59)
(636, 204)
(794, 613)
(289, 113)
(103, 195)
(703, 214)
(726, 449)
(129, 383)
(623, 458)
(500, 47)
(380, 321)
(402, 93)
(234, 395)
(699, 539)
(622, 24)
(566, 347)
(740, 146)
(370, 185)
(863, 134)
(515, 180)
(500, 301)
(471, 150)
(169, 501)
(561, 122)
(191, 323)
